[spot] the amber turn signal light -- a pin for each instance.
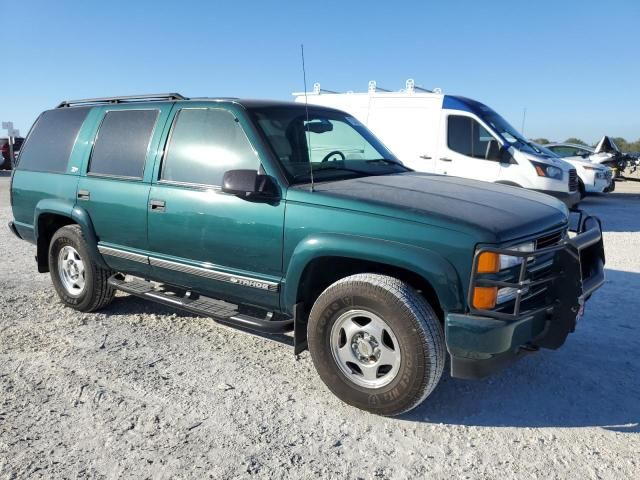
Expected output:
(484, 298)
(488, 262)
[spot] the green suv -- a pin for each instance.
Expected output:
(297, 222)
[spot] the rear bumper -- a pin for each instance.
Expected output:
(568, 198)
(14, 230)
(482, 342)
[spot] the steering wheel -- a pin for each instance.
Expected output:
(330, 154)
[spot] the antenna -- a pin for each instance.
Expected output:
(306, 109)
(524, 117)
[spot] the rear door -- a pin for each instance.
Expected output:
(204, 239)
(465, 147)
(115, 182)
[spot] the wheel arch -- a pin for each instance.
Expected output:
(321, 260)
(51, 215)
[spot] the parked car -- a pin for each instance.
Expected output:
(593, 177)
(606, 152)
(256, 214)
(7, 161)
(451, 135)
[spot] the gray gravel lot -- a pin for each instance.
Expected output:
(139, 390)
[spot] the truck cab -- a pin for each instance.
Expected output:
(452, 135)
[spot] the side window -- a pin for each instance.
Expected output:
(121, 147)
(467, 137)
(459, 134)
(205, 143)
(51, 140)
(564, 151)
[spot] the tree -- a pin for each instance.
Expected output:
(541, 141)
(577, 141)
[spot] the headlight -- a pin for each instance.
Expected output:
(486, 298)
(549, 171)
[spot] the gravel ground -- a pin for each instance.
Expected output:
(143, 391)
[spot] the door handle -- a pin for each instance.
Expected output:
(445, 159)
(157, 205)
(84, 195)
(425, 157)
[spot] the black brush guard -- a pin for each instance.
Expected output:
(577, 270)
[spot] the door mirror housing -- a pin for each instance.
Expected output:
(249, 184)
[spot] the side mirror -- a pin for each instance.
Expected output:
(249, 184)
(493, 150)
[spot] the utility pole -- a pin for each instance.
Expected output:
(524, 116)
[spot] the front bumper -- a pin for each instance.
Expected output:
(570, 199)
(483, 341)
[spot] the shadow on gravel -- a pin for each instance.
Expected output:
(593, 380)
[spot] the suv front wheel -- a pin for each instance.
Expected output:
(79, 282)
(376, 343)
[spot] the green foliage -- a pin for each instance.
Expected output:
(577, 141)
(541, 141)
(627, 146)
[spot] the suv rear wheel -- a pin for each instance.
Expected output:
(376, 343)
(79, 282)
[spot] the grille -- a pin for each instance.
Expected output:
(548, 240)
(573, 180)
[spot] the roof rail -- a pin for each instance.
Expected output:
(125, 99)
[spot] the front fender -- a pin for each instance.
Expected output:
(435, 269)
(79, 215)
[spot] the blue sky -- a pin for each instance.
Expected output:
(573, 65)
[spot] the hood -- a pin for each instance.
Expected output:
(606, 145)
(498, 212)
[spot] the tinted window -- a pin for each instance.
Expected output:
(121, 146)
(332, 144)
(204, 144)
(51, 140)
(467, 137)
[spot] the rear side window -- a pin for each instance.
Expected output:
(120, 149)
(51, 140)
(467, 137)
(205, 143)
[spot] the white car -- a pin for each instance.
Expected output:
(452, 135)
(594, 177)
(606, 153)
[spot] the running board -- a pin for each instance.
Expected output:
(219, 310)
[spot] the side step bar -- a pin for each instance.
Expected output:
(219, 310)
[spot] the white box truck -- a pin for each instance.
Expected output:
(452, 135)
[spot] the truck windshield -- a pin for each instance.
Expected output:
(510, 134)
(333, 144)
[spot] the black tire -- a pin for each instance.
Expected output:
(582, 189)
(96, 293)
(413, 323)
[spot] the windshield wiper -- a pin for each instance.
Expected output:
(331, 167)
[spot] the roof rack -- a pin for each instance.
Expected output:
(125, 99)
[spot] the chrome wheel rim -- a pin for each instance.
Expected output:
(71, 270)
(365, 349)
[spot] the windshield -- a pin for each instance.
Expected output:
(334, 144)
(510, 134)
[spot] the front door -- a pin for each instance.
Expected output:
(467, 149)
(201, 238)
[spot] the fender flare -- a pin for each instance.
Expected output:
(432, 267)
(79, 215)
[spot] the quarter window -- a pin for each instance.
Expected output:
(204, 144)
(123, 140)
(467, 137)
(51, 140)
